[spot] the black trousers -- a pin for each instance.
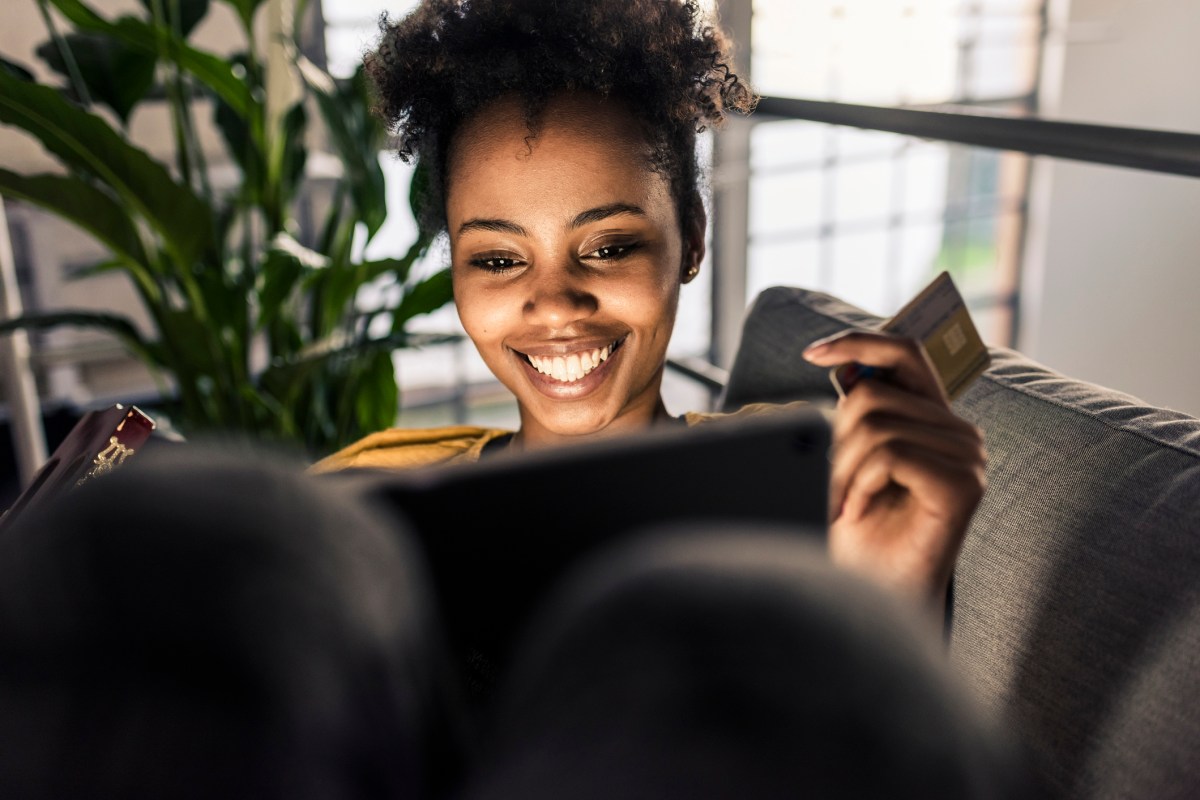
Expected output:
(216, 624)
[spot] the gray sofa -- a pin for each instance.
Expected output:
(1077, 594)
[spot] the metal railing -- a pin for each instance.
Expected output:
(1168, 152)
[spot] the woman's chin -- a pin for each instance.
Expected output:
(565, 423)
(572, 423)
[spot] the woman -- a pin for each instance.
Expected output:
(559, 140)
(280, 642)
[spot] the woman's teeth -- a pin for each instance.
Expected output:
(570, 368)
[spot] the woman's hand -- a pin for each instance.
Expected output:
(907, 471)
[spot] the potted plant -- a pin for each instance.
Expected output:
(258, 325)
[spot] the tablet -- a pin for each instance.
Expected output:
(498, 533)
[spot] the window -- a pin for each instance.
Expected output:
(872, 216)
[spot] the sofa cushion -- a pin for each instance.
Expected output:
(1078, 585)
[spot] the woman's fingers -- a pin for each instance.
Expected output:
(957, 443)
(906, 512)
(876, 413)
(876, 397)
(946, 487)
(904, 358)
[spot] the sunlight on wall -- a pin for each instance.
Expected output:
(870, 216)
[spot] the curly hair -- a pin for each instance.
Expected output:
(442, 63)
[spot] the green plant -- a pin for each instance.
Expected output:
(226, 274)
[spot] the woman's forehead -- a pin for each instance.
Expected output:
(580, 146)
(503, 128)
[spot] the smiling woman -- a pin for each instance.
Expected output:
(559, 140)
(567, 262)
(561, 154)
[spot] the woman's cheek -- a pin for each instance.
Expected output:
(490, 314)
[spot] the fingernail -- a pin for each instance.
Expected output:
(815, 350)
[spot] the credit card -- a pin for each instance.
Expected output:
(939, 319)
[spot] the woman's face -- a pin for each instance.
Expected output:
(567, 260)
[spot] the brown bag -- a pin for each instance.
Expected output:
(101, 441)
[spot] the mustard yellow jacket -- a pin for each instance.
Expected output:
(408, 448)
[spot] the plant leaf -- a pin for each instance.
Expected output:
(290, 154)
(190, 338)
(374, 398)
(81, 203)
(246, 10)
(114, 74)
(318, 354)
(418, 198)
(92, 270)
(283, 337)
(16, 70)
(241, 134)
(397, 267)
(120, 326)
(224, 302)
(357, 139)
(190, 13)
(428, 295)
(311, 259)
(215, 73)
(85, 142)
(281, 272)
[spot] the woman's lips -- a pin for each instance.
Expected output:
(568, 372)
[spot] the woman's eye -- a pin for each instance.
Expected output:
(495, 263)
(612, 252)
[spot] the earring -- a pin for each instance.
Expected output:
(691, 272)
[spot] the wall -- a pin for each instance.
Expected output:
(1112, 287)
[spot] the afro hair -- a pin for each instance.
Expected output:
(442, 63)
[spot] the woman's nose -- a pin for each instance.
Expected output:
(557, 300)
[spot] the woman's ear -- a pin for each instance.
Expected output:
(693, 243)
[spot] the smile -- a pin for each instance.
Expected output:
(572, 367)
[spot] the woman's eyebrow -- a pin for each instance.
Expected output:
(581, 219)
(493, 225)
(604, 212)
